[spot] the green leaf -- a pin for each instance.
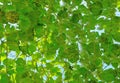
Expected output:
(62, 13)
(96, 8)
(26, 37)
(4, 78)
(20, 69)
(108, 75)
(76, 17)
(32, 48)
(20, 62)
(39, 31)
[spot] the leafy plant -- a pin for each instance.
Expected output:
(59, 41)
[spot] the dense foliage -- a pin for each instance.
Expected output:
(53, 41)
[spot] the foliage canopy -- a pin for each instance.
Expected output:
(59, 41)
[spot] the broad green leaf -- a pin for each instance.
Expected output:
(4, 78)
(107, 75)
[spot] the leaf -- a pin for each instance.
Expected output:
(60, 39)
(2, 15)
(12, 16)
(24, 23)
(76, 17)
(1, 67)
(20, 69)
(62, 13)
(52, 19)
(20, 62)
(8, 62)
(32, 48)
(96, 8)
(39, 31)
(26, 35)
(108, 75)
(4, 78)
(83, 71)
